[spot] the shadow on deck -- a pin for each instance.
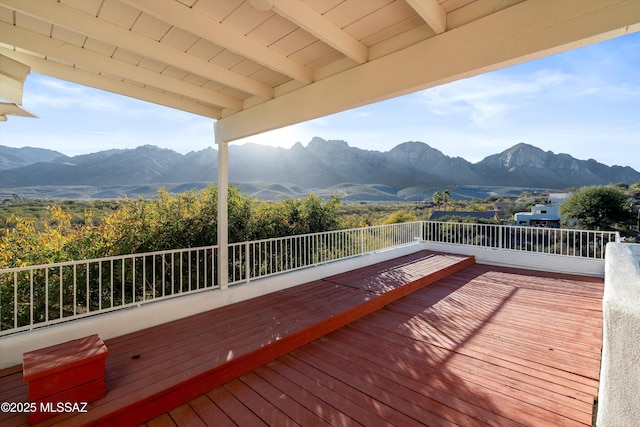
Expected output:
(153, 370)
(483, 346)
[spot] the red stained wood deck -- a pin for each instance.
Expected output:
(479, 346)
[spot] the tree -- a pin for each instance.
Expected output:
(438, 198)
(442, 198)
(400, 217)
(318, 215)
(446, 195)
(597, 207)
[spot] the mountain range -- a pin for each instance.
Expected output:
(319, 165)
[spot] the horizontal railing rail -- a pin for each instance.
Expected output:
(41, 295)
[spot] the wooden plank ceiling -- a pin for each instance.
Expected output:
(256, 65)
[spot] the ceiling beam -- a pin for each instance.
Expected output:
(431, 12)
(184, 17)
(308, 19)
(87, 78)
(511, 36)
(84, 58)
(12, 77)
(88, 25)
(13, 109)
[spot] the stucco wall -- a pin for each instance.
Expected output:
(619, 393)
(528, 260)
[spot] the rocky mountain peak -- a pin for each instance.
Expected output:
(416, 147)
(16, 157)
(523, 155)
(322, 164)
(318, 144)
(297, 146)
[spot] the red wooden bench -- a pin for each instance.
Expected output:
(63, 375)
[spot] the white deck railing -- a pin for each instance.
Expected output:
(36, 296)
(555, 241)
(42, 295)
(262, 258)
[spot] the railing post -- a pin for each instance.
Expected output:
(247, 265)
(223, 214)
(500, 236)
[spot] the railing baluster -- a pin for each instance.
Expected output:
(153, 275)
(60, 284)
(181, 287)
(111, 283)
(189, 279)
(197, 268)
(15, 299)
(46, 295)
(87, 287)
(31, 297)
(100, 285)
(247, 264)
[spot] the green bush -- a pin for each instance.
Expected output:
(597, 207)
(169, 221)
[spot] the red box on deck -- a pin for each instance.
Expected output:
(70, 372)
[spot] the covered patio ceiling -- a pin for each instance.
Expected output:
(257, 65)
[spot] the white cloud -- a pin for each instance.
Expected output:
(489, 97)
(45, 93)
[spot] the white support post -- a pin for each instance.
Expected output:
(223, 214)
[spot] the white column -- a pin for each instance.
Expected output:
(223, 214)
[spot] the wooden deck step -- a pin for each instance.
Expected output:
(151, 371)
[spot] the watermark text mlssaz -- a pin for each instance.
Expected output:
(44, 407)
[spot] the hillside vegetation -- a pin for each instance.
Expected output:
(37, 232)
(56, 233)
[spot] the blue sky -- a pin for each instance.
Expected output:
(584, 102)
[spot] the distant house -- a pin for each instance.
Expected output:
(491, 215)
(540, 216)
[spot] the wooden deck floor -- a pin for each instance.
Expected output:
(480, 345)
(485, 346)
(163, 367)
